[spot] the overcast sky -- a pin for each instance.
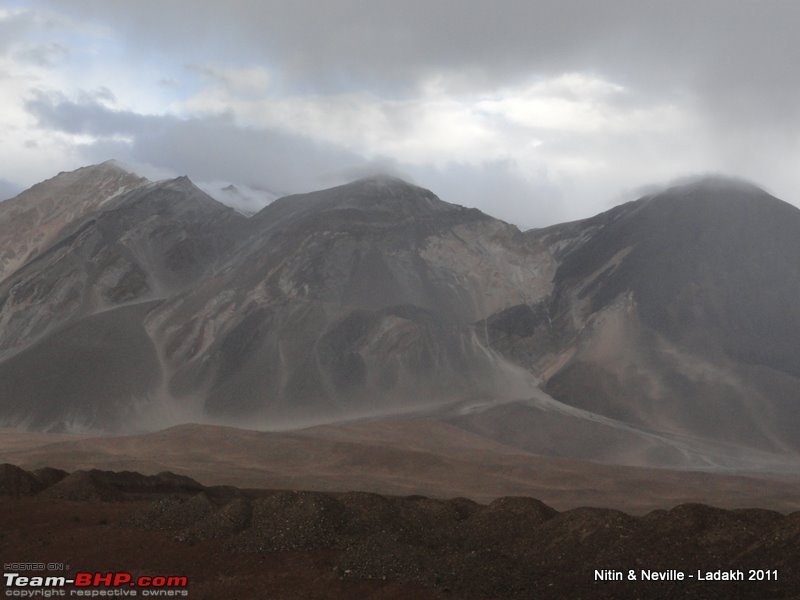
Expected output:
(533, 111)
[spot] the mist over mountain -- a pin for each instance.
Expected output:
(660, 332)
(245, 199)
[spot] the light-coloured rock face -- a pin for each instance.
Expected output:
(492, 264)
(34, 219)
(379, 243)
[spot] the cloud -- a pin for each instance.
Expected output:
(215, 149)
(241, 80)
(14, 26)
(42, 55)
(499, 188)
(386, 44)
(531, 110)
(208, 149)
(8, 189)
(247, 200)
(55, 111)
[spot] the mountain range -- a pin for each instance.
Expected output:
(662, 332)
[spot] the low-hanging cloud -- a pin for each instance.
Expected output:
(216, 149)
(8, 189)
(532, 111)
(212, 148)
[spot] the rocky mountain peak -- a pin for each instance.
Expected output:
(93, 175)
(32, 220)
(182, 183)
(379, 199)
(178, 196)
(387, 193)
(706, 196)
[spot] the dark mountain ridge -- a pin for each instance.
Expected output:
(379, 196)
(341, 301)
(675, 312)
(671, 318)
(145, 244)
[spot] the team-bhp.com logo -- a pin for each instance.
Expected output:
(95, 584)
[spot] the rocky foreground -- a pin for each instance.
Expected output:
(236, 543)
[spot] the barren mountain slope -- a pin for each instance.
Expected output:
(677, 312)
(355, 300)
(146, 244)
(663, 332)
(34, 219)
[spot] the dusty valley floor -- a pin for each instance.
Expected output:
(412, 456)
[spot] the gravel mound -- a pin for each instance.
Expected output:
(292, 521)
(49, 476)
(17, 482)
(513, 548)
(173, 513)
(509, 549)
(82, 486)
(225, 522)
(94, 485)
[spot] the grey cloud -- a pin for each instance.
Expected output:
(55, 111)
(8, 189)
(498, 189)
(352, 43)
(729, 66)
(42, 55)
(215, 148)
(14, 27)
(366, 168)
